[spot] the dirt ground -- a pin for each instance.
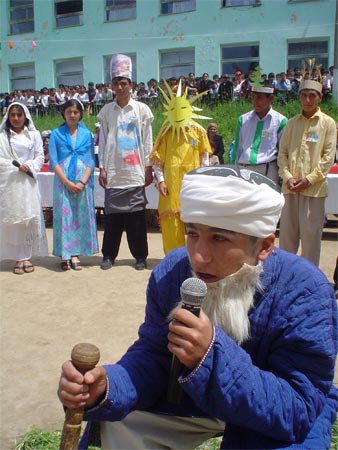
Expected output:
(44, 314)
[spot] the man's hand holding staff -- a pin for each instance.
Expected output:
(81, 386)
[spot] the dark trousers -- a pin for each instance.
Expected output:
(134, 223)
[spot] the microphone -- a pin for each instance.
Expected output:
(193, 292)
(17, 164)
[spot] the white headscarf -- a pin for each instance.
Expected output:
(231, 199)
(30, 125)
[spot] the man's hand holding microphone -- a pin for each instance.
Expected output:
(190, 334)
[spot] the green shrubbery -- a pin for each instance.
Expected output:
(224, 114)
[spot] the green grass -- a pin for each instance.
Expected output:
(334, 439)
(224, 114)
(41, 440)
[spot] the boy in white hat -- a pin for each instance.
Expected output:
(258, 133)
(125, 144)
(306, 154)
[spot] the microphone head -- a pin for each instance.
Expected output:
(193, 291)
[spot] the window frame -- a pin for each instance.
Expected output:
(117, 8)
(28, 71)
(176, 3)
(245, 3)
(301, 1)
(58, 17)
(189, 65)
(27, 20)
(305, 56)
(245, 59)
(61, 75)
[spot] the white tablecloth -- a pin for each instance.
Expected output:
(331, 203)
(46, 188)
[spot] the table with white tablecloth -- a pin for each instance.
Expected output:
(331, 203)
(46, 189)
(46, 180)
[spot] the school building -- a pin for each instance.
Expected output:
(48, 42)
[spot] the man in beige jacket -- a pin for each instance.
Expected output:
(306, 154)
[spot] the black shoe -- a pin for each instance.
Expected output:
(107, 263)
(141, 264)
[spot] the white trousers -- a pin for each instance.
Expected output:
(142, 430)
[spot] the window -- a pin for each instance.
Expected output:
(177, 63)
(241, 3)
(22, 77)
(68, 13)
(300, 52)
(21, 16)
(240, 57)
(106, 62)
(177, 6)
(120, 10)
(69, 72)
(302, 1)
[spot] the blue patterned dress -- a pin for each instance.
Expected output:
(74, 220)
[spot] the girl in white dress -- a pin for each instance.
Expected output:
(22, 229)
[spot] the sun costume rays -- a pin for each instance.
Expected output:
(180, 112)
(178, 149)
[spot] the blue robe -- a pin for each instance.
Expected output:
(275, 391)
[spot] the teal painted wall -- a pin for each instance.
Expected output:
(270, 25)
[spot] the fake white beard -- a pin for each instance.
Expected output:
(228, 301)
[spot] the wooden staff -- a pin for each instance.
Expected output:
(84, 357)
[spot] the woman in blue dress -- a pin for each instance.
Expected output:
(71, 155)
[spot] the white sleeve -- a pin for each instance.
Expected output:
(158, 174)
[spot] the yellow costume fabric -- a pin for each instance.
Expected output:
(175, 157)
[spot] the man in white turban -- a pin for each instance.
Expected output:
(260, 355)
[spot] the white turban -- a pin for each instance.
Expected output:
(231, 199)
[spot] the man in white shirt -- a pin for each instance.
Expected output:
(125, 144)
(258, 134)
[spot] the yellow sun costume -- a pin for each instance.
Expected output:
(172, 157)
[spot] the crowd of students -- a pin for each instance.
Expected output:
(218, 88)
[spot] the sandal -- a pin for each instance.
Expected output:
(28, 268)
(18, 270)
(65, 265)
(76, 265)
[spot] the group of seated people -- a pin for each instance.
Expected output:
(218, 88)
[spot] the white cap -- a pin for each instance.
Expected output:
(120, 66)
(46, 133)
(262, 89)
(311, 84)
